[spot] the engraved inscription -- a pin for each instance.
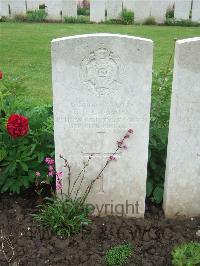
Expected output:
(100, 72)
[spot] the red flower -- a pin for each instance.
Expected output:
(1, 74)
(17, 126)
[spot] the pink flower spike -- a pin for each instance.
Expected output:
(112, 158)
(37, 174)
(130, 131)
(49, 161)
(59, 174)
(120, 143)
(127, 136)
(125, 147)
(50, 168)
(50, 174)
(58, 184)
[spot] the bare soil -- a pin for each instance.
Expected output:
(153, 238)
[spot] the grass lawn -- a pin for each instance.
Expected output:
(25, 49)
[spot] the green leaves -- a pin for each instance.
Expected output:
(20, 158)
(63, 217)
(187, 254)
(158, 135)
(118, 255)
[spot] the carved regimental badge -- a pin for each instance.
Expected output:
(101, 72)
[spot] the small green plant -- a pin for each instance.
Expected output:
(182, 22)
(170, 12)
(150, 21)
(20, 18)
(187, 254)
(36, 16)
(79, 19)
(83, 11)
(64, 217)
(118, 255)
(127, 17)
(42, 6)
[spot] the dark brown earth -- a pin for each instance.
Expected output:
(153, 237)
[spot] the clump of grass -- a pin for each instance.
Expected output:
(63, 217)
(150, 21)
(187, 254)
(118, 255)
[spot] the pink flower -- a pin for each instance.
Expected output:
(112, 158)
(49, 161)
(127, 136)
(125, 147)
(59, 174)
(37, 174)
(50, 173)
(120, 143)
(51, 168)
(59, 181)
(130, 131)
(58, 184)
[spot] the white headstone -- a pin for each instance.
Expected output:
(32, 4)
(4, 11)
(159, 9)
(196, 10)
(101, 88)
(54, 9)
(17, 7)
(182, 180)
(114, 9)
(142, 10)
(182, 9)
(97, 10)
(69, 8)
(128, 4)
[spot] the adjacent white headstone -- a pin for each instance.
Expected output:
(159, 9)
(128, 4)
(17, 7)
(182, 181)
(4, 11)
(69, 8)
(182, 9)
(101, 88)
(196, 10)
(32, 4)
(114, 9)
(142, 10)
(97, 10)
(54, 9)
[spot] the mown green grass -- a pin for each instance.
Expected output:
(25, 49)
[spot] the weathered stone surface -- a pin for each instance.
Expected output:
(32, 4)
(159, 9)
(69, 8)
(196, 10)
(54, 9)
(101, 88)
(97, 10)
(114, 8)
(17, 7)
(128, 4)
(4, 11)
(182, 184)
(142, 10)
(182, 9)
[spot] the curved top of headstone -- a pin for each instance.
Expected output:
(96, 35)
(188, 40)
